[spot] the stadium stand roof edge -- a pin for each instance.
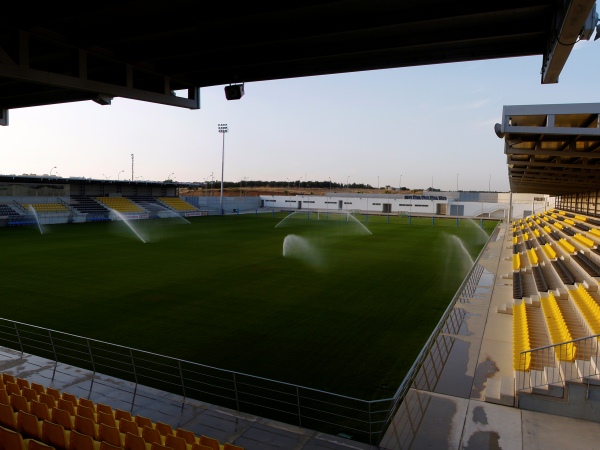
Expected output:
(56, 53)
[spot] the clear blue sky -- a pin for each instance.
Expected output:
(419, 123)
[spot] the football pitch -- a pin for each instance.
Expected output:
(346, 310)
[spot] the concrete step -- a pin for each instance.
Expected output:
(556, 388)
(506, 308)
(492, 390)
(500, 391)
(507, 391)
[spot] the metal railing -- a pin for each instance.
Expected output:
(468, 285)
(327, 412)
(553, 365)
(302, 406)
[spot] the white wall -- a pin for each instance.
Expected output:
(332, 203)
(410, 206)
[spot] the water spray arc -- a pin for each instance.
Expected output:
(128, 223)
(37, 219)
(300, 248)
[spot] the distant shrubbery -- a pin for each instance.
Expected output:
(292, 183)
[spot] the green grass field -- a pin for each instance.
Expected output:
(344, 311)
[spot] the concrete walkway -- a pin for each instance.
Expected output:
(464, 398)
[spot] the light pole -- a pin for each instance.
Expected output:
(347, 185)
(400, 185)
(490, 183)
(299, 183)
(212, 178)
(456, 182)
(169, 177)
(52, 170)
(377, 181)
(119, 174)
(105, 176)
(330, 183)
(222, 129)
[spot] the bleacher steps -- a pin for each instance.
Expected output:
(506, 308)
(538, 380)
(507, 391)
(492, 390)
(500, 391)
(581, 401)
(587, 367)
(556, 389)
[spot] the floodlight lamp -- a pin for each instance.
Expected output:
(498, 130)
(103, 100)
(234, 91)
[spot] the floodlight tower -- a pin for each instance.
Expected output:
(132, 167)
(222, 129)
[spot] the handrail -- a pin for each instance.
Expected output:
(21, 207)
(420, 360)
(185, 361)
(560, 371)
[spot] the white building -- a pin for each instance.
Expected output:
(471, 204)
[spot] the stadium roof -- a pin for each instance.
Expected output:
(148, 50)
(552, 149)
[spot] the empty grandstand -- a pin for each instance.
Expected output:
(519, 337)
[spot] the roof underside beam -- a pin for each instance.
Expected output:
(28, 78)
(569, 19)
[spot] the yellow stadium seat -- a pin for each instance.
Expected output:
(566, 245)
(80, 441)
(133, 442)
(55, 434)
(8, 418)
(29, 425)
(584, 240)
(12, 440)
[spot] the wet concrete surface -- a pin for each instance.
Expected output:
(427, 420)
(485, 370)
(454, 379)
(484, 439)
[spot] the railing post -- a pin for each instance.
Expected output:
(182, 383)
(298, 402)
(53, 351)
(134, 376)
(91, 356)
(370, 423)
(18, 337)
(237, 400)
